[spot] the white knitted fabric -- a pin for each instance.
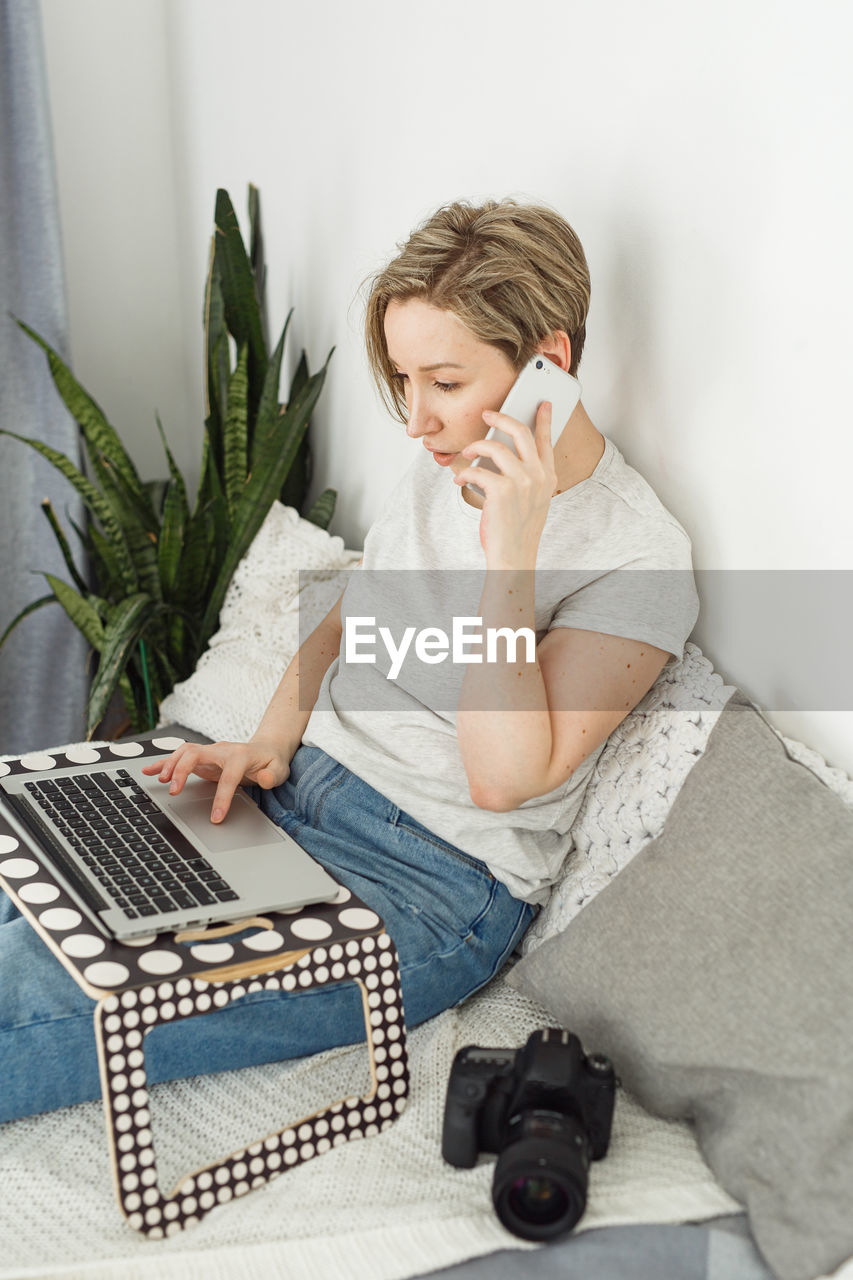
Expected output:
(259, 625)
(380, 1209)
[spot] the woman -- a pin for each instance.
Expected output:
(443, 797)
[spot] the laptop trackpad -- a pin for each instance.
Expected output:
(244, 828)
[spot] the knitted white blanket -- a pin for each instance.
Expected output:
(387, 1207)
(383, 1208)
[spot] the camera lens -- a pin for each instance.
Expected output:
(540, 1182)
(540, 364)
(537, 1200)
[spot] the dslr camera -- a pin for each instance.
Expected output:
(546, 1111)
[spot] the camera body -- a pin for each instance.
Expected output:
(546, 1111)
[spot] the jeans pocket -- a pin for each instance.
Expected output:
(439, 882)
(498, 945)
(312, 774)
(405, 822)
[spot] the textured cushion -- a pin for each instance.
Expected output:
(266, 605)
(717, 971)
(634, 784)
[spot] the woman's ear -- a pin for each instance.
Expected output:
(558, 347)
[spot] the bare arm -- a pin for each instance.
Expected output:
(289, 711)
(544, 717)
(265, 758)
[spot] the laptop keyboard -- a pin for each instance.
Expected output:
(128, 844)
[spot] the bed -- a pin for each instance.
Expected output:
(686, 1189)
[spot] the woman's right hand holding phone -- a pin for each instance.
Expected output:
(228, 763)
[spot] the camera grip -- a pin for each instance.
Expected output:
(459, 1144)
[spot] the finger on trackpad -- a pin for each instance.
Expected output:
(245, 826)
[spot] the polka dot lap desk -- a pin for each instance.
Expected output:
(158, 979)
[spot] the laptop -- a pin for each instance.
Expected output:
(138, 861)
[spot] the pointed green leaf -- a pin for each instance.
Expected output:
(300, 377)
(268, 407)
(25, 612)
(98, 433)
(277, 445)
(106, 569)
(217, 356)
(47, 508)
(132, 507)
(85, 536)
(171, 538)
(150, 680)
(127, 622)
(139, 535)
(274, 456)
(205, 540)
(94, 500)
(238, 285)
(81, 612)
(134, 511)
(202, 496)
(101, 606)
(323, 509)
(242, 314)
(298, 479)
(217, 515)
(174, 471)
(256, 256)
(209, 527)
(155, 491)
(119, 492)
(197, 553)
(234, 443)
(209, 320)
(177, 643)
(137, 722)
(164, 676)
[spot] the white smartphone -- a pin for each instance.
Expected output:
(540, 379)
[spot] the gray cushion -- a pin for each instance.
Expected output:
(717, 971)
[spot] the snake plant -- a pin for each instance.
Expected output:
(160, 565)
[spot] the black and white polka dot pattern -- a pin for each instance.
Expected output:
(156, 980)
(38, 761)
(123, 1019)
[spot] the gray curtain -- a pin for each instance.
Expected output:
(43, 681)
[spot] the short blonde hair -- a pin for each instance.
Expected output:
(512, 273)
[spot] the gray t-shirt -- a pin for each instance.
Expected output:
(611, 559)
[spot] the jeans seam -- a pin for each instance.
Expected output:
(50, 1021)
(501, 960)
(333, 786)
(414, 910)
(433, 955)
(478, 919)
(475, 864)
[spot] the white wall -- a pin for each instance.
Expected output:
(110, 88)
(702, 154)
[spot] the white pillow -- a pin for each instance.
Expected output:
(259, 626)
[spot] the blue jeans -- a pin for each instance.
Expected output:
(453, 924)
